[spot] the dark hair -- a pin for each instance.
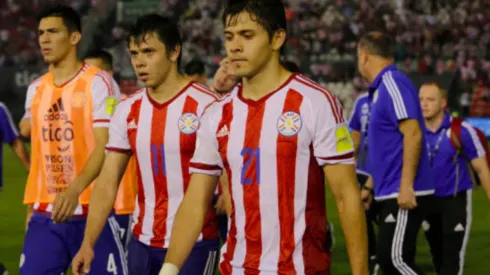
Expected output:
(379, 43)
(70, 17)
(103, 55)
(166, 30)
(291, 66)
(195, 67)
(270, 14)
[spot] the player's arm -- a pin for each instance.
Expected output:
(11, 136)
(342, 181)
(190, 218)
(403, 109)
(356, 139)
(224, 201)
(101, 203)
(333, 150)
(474, 151)
(355, 126)
(20, 150)
(206, 168)
(67, 201)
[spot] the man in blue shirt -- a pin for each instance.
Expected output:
(448, 229)
(358, 124)
(10, 135)
(397, 161)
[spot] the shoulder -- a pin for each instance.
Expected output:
(362, 99)
(103, 80)
(34, 84)
(393, 80)
(128, 101)
(317, 96)
(201, 93)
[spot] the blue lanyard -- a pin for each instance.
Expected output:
(433, 152)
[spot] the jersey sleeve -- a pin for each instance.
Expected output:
(332, 143)
(400, 98)
(206, 159)
(472, 147)
(354, 120)
(118, 131)
(104, 98)
(7, 126)
(31, 92)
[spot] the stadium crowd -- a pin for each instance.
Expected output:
(432, 37)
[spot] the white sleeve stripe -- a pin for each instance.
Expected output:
(401, 111)
(9, 117)
(108, 81)
(474, 137)
(205, 172)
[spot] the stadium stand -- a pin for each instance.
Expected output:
(445, 39)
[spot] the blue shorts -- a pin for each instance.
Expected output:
(146, 260)
(49, 248)
(124, 222)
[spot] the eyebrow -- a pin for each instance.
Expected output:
(240, 31)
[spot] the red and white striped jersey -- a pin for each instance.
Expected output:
(163, 138)
(273, 151)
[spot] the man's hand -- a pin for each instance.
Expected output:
(220, 205)
(82, 261)
(406, 197)
(367, 198)
(64, 205)
(223, 78)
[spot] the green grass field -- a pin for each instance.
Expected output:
(12, 217)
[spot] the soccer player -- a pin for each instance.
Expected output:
(358, 124)
(69, 110)
(448, 229)
(196, 71)
(10, 135)
(125, 201)
(278, 135)
(397, 156)
(158, 126)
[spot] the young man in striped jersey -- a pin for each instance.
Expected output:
(157, 125)
(277, 135)
(448, 229)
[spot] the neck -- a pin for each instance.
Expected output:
(65, 69)
(376, 68)
(173, 83)
(269, 78)
(435, 122)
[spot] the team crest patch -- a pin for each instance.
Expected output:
(289, 124)
(188, 123)
(78, 99)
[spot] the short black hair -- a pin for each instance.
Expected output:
(379, 43)
(270, 14)
(167, 31)
(195, 67)
(105, 56)
(71, 19)
(291, 66)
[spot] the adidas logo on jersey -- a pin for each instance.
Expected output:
(56, 112)
(132, 125)
(223, 131)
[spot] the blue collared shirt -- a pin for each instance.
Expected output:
(393, 99)
(358, 122)
(442, 154)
